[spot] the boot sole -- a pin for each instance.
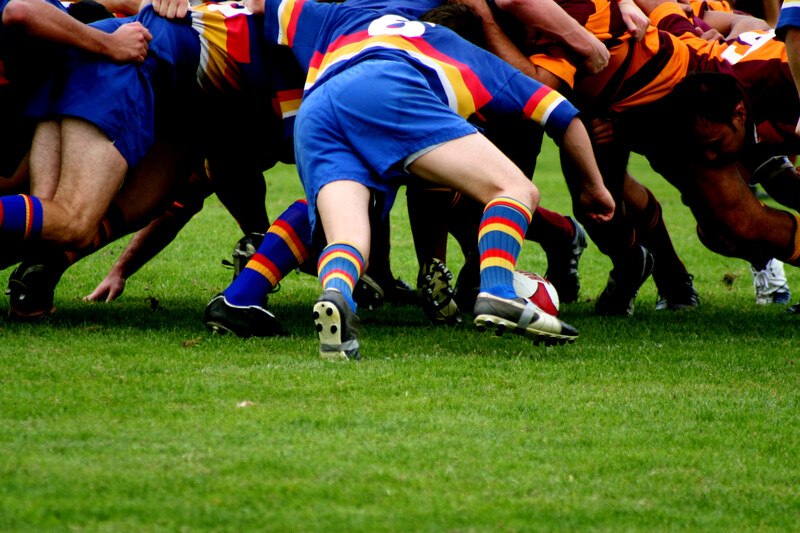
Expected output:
(501, 325)
(328, 322)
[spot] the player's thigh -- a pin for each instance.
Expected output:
(92, 172)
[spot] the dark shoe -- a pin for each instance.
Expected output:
(523, 317)
(31, 288)
(682, 296)
(399, 292)
(371, 294)
(243, 321)
(562, 265)
(623, 284)
(436, 294)
(367, 293)
(337, 327)
(468, 284)
(244, 250)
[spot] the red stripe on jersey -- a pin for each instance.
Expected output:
(291, 94)
(535, 99)
(480, 96)
(344, 40)
(291, 28)
(237, 39)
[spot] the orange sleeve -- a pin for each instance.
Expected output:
(557, 66)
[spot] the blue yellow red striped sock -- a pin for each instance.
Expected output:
(339, 267)
(500, 238)
(285, 246)
(21, 217)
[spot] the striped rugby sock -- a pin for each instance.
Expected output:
(339, 267)
(285, 246)
(500, 238)
(21, 217)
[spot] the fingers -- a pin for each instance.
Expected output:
(171, 8)
(598, 59)
(98, 294)
(712, 35)
(601, 131)
(636, 28)
(635, 19)
(109, 290)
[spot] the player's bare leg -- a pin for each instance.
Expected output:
(477, 168)
(45, 159)
(343, 208)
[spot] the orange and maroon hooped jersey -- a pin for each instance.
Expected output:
(758, 61)
(638, 72)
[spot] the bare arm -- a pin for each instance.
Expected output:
(501, 46)
(145, 245)
(732, 24)
(635, 19)
(45, 21)
(125, 7)
(591, 193)
(548, 17)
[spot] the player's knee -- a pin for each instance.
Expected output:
(528, 194)
(758, 226)
(718, 243)
(18, 12)
(78, 231)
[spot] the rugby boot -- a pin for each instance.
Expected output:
(31, 290)
(371, 293)
(246, 321)
(468, 284)
(436, 294)
(368, 294)
(523, 317)
(562, 265)
(337, 327)
(624, 282)
(681, 295)
(245, 249)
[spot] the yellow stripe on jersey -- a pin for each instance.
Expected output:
(546, 106)
(459, 97)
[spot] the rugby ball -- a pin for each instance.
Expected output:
(538, 290)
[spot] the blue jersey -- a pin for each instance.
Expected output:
(329, 38)
(789, 17)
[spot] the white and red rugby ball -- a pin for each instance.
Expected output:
(536, 289)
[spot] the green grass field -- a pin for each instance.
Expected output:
(131, 416)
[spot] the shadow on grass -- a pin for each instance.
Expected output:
(400, 331)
